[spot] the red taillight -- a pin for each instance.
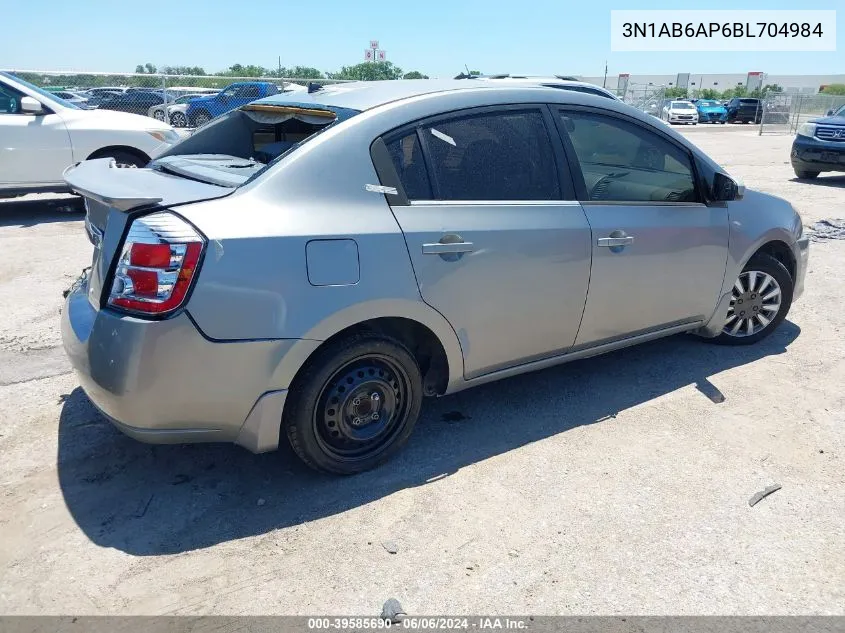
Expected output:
(155, 255)
(157, 266)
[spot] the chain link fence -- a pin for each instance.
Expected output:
(647, 98)
(783, 113)
(184, 101)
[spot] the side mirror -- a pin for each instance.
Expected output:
(829, 113)
(31, 106)
(726, 189)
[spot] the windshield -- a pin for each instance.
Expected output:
(49, 97)
(708, 104)
(682, 105)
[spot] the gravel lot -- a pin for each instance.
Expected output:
(617, 485)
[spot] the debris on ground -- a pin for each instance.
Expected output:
(710, 390)
(261, 502)
(142, 508)
(392, 611)
(827, 230)
(390, 546)
(758, 496)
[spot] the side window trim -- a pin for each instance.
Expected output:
(566, 191)
(578, 174)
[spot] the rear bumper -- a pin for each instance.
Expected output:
(164, 382)
(810, 154)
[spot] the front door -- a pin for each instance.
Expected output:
(659, 254)
(498, 244)
(34, 148)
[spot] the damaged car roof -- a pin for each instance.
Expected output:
(363, 95)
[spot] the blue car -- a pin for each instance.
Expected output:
(202, 109)
(710, 111)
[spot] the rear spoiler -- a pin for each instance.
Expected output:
(91, 179)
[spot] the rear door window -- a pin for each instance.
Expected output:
(500, 155)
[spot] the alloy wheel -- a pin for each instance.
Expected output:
(755, 303)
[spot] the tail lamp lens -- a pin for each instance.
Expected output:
(157, 266)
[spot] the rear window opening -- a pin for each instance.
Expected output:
(239, 145)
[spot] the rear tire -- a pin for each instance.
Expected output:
(806, 175)
(178, 119)
(201, 118)
(124, 159)
(762, 305)
(354, 405)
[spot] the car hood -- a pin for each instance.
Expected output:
(112, 119)
(202, 99)
(829, 120)
(712, 109)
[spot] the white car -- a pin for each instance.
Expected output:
(41, 136)
(176, 110)
(680, 111)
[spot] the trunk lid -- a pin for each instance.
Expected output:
(113, 196)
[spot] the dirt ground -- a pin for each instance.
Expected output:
(616, 485)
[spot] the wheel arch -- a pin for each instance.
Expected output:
(426, 333)
(108, 149)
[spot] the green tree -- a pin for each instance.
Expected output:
(298, 72)
(834, 89)
(368, 71)
(239, 70)
(414, 74)
(183, 70)
(147, 69)
(737, 91)
(708, 93)
(676, 93)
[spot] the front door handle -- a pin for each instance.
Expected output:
(440, 248)
(615, 241)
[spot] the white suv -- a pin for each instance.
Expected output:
(41, 135)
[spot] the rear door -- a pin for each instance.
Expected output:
(498, 243)
(659, 253)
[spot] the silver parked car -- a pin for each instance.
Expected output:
(310, 266)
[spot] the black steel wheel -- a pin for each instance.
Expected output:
(355, 404)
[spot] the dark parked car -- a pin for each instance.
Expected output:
(137, 102)
(820, 146)
(744, 110)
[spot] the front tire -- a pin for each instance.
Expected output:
(762, 296)
(806, 175)
(178, 119)
(354, 405)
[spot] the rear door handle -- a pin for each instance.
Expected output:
(441, 248)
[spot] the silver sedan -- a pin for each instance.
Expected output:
(308, 267)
